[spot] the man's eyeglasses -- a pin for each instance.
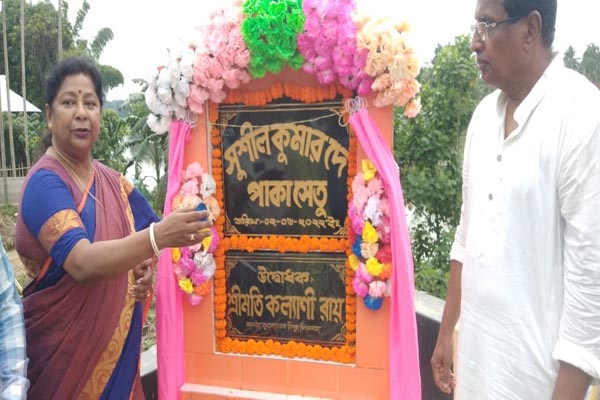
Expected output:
(482, 28)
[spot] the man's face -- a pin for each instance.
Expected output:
(498, 52)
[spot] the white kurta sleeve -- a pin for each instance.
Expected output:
(457, 252)
(579, 199)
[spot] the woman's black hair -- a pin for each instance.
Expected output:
(69, 67)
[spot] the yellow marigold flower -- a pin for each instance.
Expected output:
(353, 262)
(369, 233)
(175, 255)
(186, 285)
(206, 242)
(368, 170)
(374, 267)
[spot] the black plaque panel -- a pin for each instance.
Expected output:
(285, 169)
(285, 297)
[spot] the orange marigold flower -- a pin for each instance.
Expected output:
(251, 347)
(243, 349)
(226, 345)
(326, 354)
(276, 348)
(221, 324)
(220, 333)
(260, 347)
(235, 346)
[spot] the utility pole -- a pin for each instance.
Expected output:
(24, 85)
(2, 150)
(60, 46)
(10, 127)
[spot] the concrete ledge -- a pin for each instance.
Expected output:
(429, 313)
(238, 394)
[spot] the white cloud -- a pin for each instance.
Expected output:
(145, 29)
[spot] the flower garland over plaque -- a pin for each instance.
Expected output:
(244, 40)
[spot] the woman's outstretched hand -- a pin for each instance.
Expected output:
(183, 227)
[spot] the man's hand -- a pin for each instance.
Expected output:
(143, 280)
(441, 363)
(571, 383)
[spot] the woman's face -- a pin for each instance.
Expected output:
(74, 117)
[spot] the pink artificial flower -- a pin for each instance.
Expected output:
(362, 274)
(214, 242)
(384, 206)
(194, 299)
(190, 187)
(358, 181)
(356, 221)
(375, 186)
(197, 277)
(360, 288)
(194, 170)
(384, 231)
(377, 289)
(326, 77)
(186, 264)
(197, 98)
(360, 198)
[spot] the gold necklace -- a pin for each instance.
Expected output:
(63, 161)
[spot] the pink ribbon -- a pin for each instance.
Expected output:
(405, 378)
(169, 312)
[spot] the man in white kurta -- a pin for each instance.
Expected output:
(528, 244)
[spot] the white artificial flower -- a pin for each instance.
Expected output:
(208, 186)
(372, 211)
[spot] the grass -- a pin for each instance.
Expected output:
(8, 218)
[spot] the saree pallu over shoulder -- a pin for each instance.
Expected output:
(76, 332)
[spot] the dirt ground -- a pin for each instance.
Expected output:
(20, 275)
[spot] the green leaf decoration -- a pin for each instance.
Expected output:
(270, 30)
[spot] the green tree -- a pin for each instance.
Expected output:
(110, 146)
(37, 129)
(429, 152)
(41, 32)
(41, 50)
(570, 59)
(590, 63)
(147, 148)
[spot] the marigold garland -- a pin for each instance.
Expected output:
(282, 244)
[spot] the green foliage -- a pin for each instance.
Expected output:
(41, 49)
(588, 65)
(570, 60)
(109, 148)
(429, 152)
(36, 129)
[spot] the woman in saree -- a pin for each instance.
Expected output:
(86, 237)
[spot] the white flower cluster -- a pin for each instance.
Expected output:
(168, 90)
